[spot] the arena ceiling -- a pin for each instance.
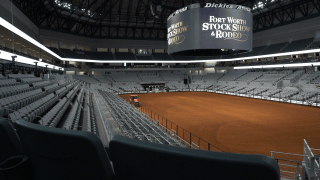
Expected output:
(146, 19)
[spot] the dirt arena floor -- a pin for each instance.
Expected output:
(238, 124)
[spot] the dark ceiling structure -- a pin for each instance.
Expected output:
(147, 19)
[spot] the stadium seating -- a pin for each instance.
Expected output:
(316, 80)
(297, 45)
(213, 76)
(2, 77)
(73, 119)
(62, 154)
(30, 80)
(91, 55)
(270, 93)
(250, 76)
(71, 54)
(231, 76)
(294, 75)
(9, 142)
(144, 58)
(156, 161)
(171, 77)
(8, 82)
(86, 79)
(12, 90)
(274, 48)
(161, 56)
(310, 76)
(47, 102)
(124, 56)
(55, 50)
(303, 96)
(316, 98)
(315, 45)
(34, 110)
(271, 77)
(134, 124)
(151, 78)
(121, 77)
(91, 120)
(13, 103)
(286, 94)
(247, 90)
(104, 55)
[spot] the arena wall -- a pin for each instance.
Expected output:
(20, 20)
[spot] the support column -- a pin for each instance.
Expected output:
(59, 45)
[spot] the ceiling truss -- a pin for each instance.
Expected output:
(133, 19)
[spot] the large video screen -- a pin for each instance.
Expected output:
(209, 29)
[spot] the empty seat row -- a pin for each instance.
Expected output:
(73, 92)
(135, 124)
(64, 90)
(52, 88)
(285, 94)
(12, 103)
(86, 79)
(316, 98)
(303, 96)
(35, 109)
(18, 76)
(91, 121)
(41, 84)
(2, 77)
(73, 119)
(83, 156)
(8, 82)
(29, 80)
(12, 90)
(53, 117)
(59, 91)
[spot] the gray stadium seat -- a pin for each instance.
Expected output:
(134, 159)
(63, 154)
(9, 141)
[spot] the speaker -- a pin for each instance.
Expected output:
(185, 81)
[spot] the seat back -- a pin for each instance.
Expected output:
(134, 159)
(64, 154)
(9, 142)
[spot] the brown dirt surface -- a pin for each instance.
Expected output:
(239, 124)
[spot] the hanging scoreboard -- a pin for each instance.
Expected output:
(209, 29)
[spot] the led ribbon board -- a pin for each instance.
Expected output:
(209, 29)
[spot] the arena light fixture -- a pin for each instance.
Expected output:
(279, 66)
(18, 32)
(21, 59)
